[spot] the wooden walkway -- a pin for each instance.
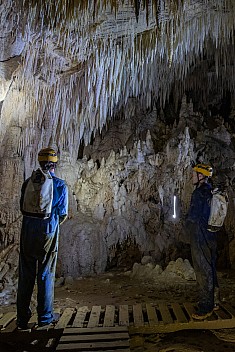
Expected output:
(107, 328)
(112, 339)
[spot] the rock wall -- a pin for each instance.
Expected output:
(121, 191)
(126, 197)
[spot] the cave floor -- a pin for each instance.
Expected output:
(118, 288)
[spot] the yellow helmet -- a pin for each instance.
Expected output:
(204, 169)
(47, 154)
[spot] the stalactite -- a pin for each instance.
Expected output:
(117, 58)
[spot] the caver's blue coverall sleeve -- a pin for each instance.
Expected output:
(38, 257)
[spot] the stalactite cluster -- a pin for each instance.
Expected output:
(83, 60)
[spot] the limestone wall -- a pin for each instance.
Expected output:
(121, 191)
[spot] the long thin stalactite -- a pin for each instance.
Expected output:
(83, 60)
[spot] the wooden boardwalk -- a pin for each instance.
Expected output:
(107, 328)
(115, 339)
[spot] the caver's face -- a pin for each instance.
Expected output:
(197, 177)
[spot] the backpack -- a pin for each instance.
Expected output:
(218, 210)
(38, 195)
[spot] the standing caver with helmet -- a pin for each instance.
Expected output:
(203, 242)
(44, 205)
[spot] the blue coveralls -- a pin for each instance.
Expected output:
(38, 257)
(203, 246)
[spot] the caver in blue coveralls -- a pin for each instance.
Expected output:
(38, 257)
(203, 246)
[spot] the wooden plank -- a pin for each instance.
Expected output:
(33, 319)
(228, 309)
(127, 349)
(90, 346)
(138, 315)
(152, 314)
(165, 313)
(85, 331)
(50, 326)
(64, 319)
(6, 319)
(221, 314)
(179, 314)
(99, 350)
(45, 328)
(116, 350)
(80, 317)
(57, 310)
(94, 317)
(190, 309)
(51, 343)
(192, 324)
(123, 315)
(109, 316)
(10, 327)
(94, 337)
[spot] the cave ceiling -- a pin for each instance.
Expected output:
(79, 63)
